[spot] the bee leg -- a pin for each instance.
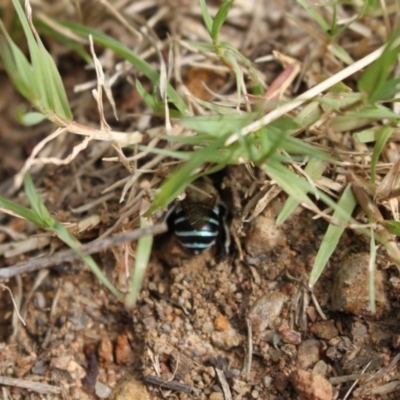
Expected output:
(169, 217)
(224, 235)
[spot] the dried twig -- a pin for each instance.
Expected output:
(355, 382)
(249, 355)
(224, 384)
(89, 248)
(337, 380)
(171, 385)
(34, 386)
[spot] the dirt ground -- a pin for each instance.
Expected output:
(242, 327)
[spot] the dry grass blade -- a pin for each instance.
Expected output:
(389, 187)
(224, 384)
(4, 287)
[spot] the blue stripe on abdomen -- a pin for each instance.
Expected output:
(195, 234)
(196, 244)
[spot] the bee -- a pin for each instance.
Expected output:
(199, 221)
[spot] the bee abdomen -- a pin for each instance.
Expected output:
(200, 239)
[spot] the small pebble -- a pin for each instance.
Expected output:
(232, 373)
(255, 394)
(333, 353)
(226, 340)
(267, 381)
(216, 396)
(123, 351)
(320, 368)
(281, 381)
(102, 391)
(265, 310)
(263, 236)
(221, 323)
(311, 387)
(308, 353)
(129, 389)
(39, 368)
(105, 350)
(290, 336)
(61, 362)
(275, 354)
(207, 327)
(324, 329)
(396, 341)
(40, 301)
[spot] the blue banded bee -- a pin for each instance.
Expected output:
(199, 220)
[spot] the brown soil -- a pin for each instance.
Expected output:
(244, 327)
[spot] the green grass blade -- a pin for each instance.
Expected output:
(55, 90)
(222, 110)
(371, 268)
(17, 67)
(343, 211)
(393, 227)
(368, 135)
(43, 219)
(333, 27)
(179, 155)
(387, 90)
(30, 118)
(337, 30)
(257, 86)
(300, 147)
(219, 125)
(315, 15)
(208, 21)
(21, 211)
(143, 252)
(341, 53)
(238, 74)
(36, 203)
(150, 100)
(384, 135)
(376, 74)
(314, 169)
(201, 46)
(71, 241)
(288, 181)
(357, 119)
(220, 19)
(374, 112)
(184, 174)
(46, 30)
(40, 82)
